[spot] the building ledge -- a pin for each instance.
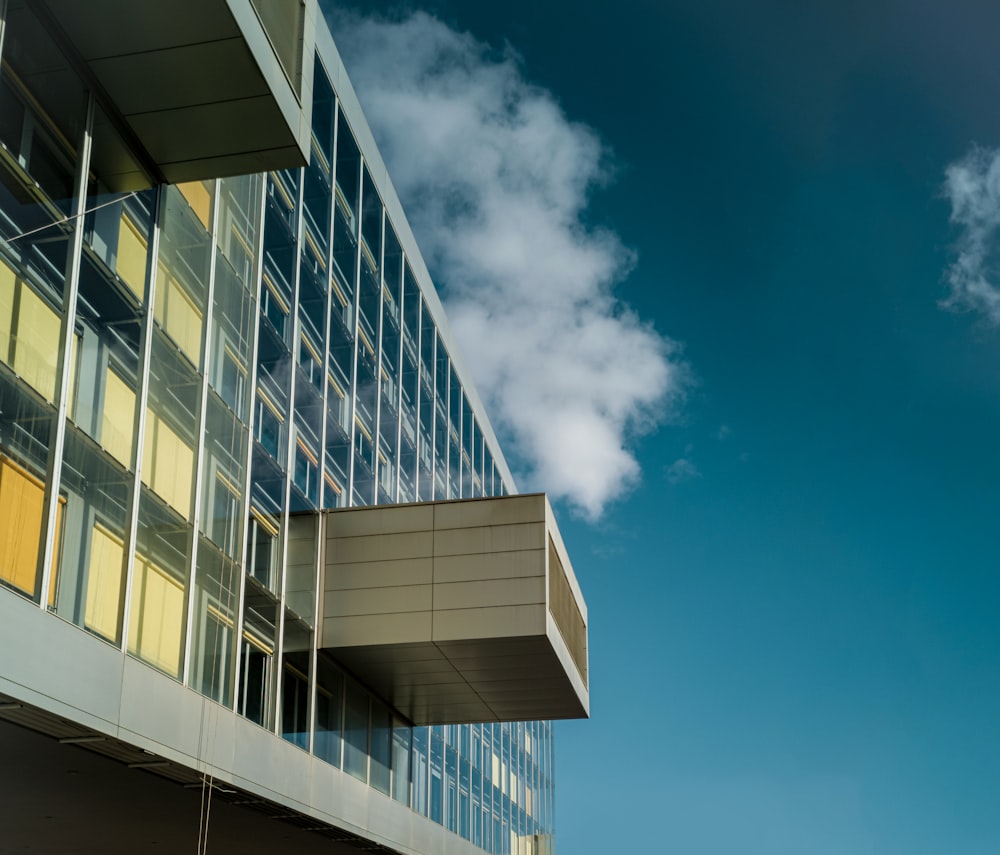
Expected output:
(456, 611)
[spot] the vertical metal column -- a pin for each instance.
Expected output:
(199, 454)
(63, 367)
(142, 399)
(257, 278)
(279, 647)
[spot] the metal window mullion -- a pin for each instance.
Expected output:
(71, 291)
(200, 455)
(3, 24)
(258, 269)
(376, 469)
(461, 432)
(279, 646)
(399, 388)
(320, 538)
(417, 406)
(447, 432)
(357, 330)
(434, 409)
(142, 396)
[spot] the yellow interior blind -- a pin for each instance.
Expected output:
(22, 506)
(157, 616)
(37, 343)
(104, 582)
(178, 315)
(199, 198)
(118, 418)
(131, 261)
(167, 464)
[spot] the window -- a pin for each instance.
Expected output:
(118, 417)
(29, 333)
(167, 464)
(130, 263)
(179, 315)
(269, 423)
(263, 548)
(356, 733)
(295, 707)
(22, 506)
(255, 678)
(104, 582)
(156, 625)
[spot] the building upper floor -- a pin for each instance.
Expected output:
(188, 370)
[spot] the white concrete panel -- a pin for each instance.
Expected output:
(489, 539)
(378, 601)
(501, 565)
(381, 520)
(33, 662)
(375, 574)
(489, 594)
(499, 622)
(390, 629)
(160, 710)
(479, 512)
(386, 547)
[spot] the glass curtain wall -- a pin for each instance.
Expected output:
(183, 369)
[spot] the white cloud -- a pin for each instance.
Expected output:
(972, 185)
(681, 471)
(495, 180)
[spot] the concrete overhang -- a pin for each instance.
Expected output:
(455, 611)
(206, 87)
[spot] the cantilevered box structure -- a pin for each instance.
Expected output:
(454, 611)
(202, 88)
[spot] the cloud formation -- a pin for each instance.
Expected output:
(495, 180)
(972, 185)
(681, 471)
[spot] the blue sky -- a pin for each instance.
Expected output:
(787, 526)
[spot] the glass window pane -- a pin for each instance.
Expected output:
(329, 716)
(356, 732)
(213, 649)
(89, 580)
(381, 746)
(401, 738)
(159, 584)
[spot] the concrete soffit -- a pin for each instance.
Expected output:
(196, 86)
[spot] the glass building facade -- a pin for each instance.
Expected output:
(181, 368)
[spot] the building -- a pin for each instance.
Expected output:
(263, 567)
